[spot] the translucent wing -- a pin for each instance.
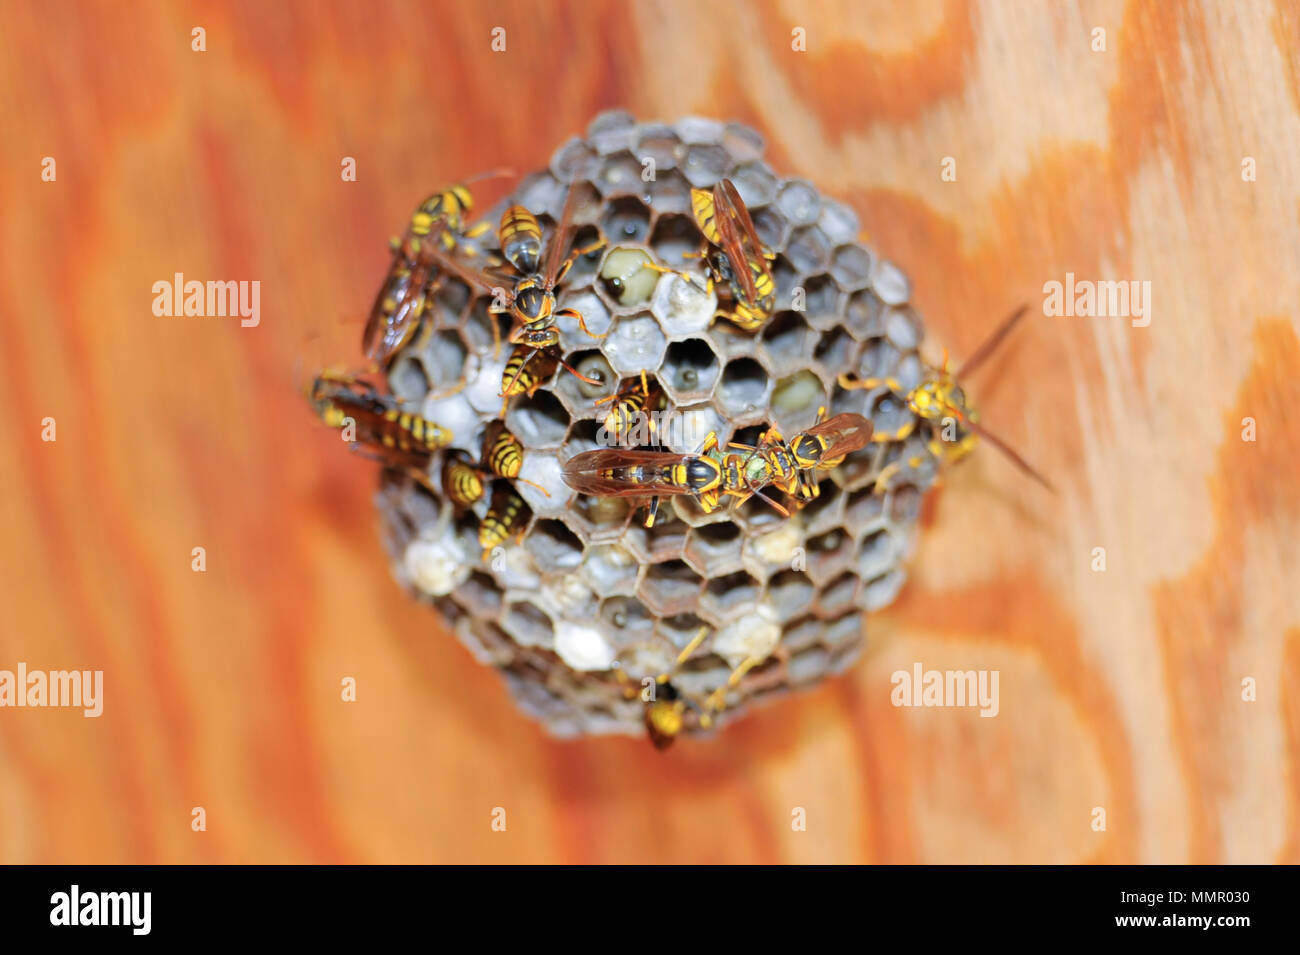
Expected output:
(607, 472)
(558, 245)
(844, 434)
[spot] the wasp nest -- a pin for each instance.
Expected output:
(589, 601)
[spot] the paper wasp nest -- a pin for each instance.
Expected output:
(590, 591)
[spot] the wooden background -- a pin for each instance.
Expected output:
(1119, 690)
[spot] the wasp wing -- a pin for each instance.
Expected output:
(558, 245)
(603, 472)
(730, 208)
(844, 434)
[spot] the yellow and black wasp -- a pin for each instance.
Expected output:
(939, 404)
(401, 440)
(465, 482)
(507, 516)
(792, 465)
(440, 222)
(713, 473)
(736, 258)
(631, 406)
(539, 267)
(665, 711)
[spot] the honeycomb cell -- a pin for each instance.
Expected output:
(902, 329)
(489, 644)
(479, 595)
(540, 193)
(839, 222)
(828, 554)
(594, 314)
(851, 267)
(743, 389)
(714, 548)
(579, 396)
(742, 143)
(795, 401)
(863, 316)
(627, 277)
(689, 428)
(790, 593)
(705, 165)
(724, 596)
(699, 129)
(528, 624)
(682, 307)
(825, 511)
(799, 202)
(889, 283)
(614, 139)
(674, 238)
(670, 192)
(787, 341)
(670, 588)
(838, 596)
(864, 508)
(620, 175)
(843, 633)
(626, 620)
(636, 342)
(604, 517)
(875, 553)
(626, 220)
(755, 183)
(610, 569)
(772, 228)
(407, 379)
(808, 249)
(822, 302)
(661, 144)
(904, 505)
(612, 121)
(690, 368)
(576, 160)
(836, 350)
(807, 667)
(881, 591)
(539, 421)
(552, 544)
(667, 538)
(445, 364)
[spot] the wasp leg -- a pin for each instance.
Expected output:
(717, 700)
(582, 323)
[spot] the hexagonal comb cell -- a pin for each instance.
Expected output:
(591, 589)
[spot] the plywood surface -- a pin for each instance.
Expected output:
(1120, 689)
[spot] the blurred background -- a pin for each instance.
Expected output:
(1120, 689)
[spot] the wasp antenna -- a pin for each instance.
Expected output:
(990, 344)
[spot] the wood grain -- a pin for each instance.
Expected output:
(1119, 689)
